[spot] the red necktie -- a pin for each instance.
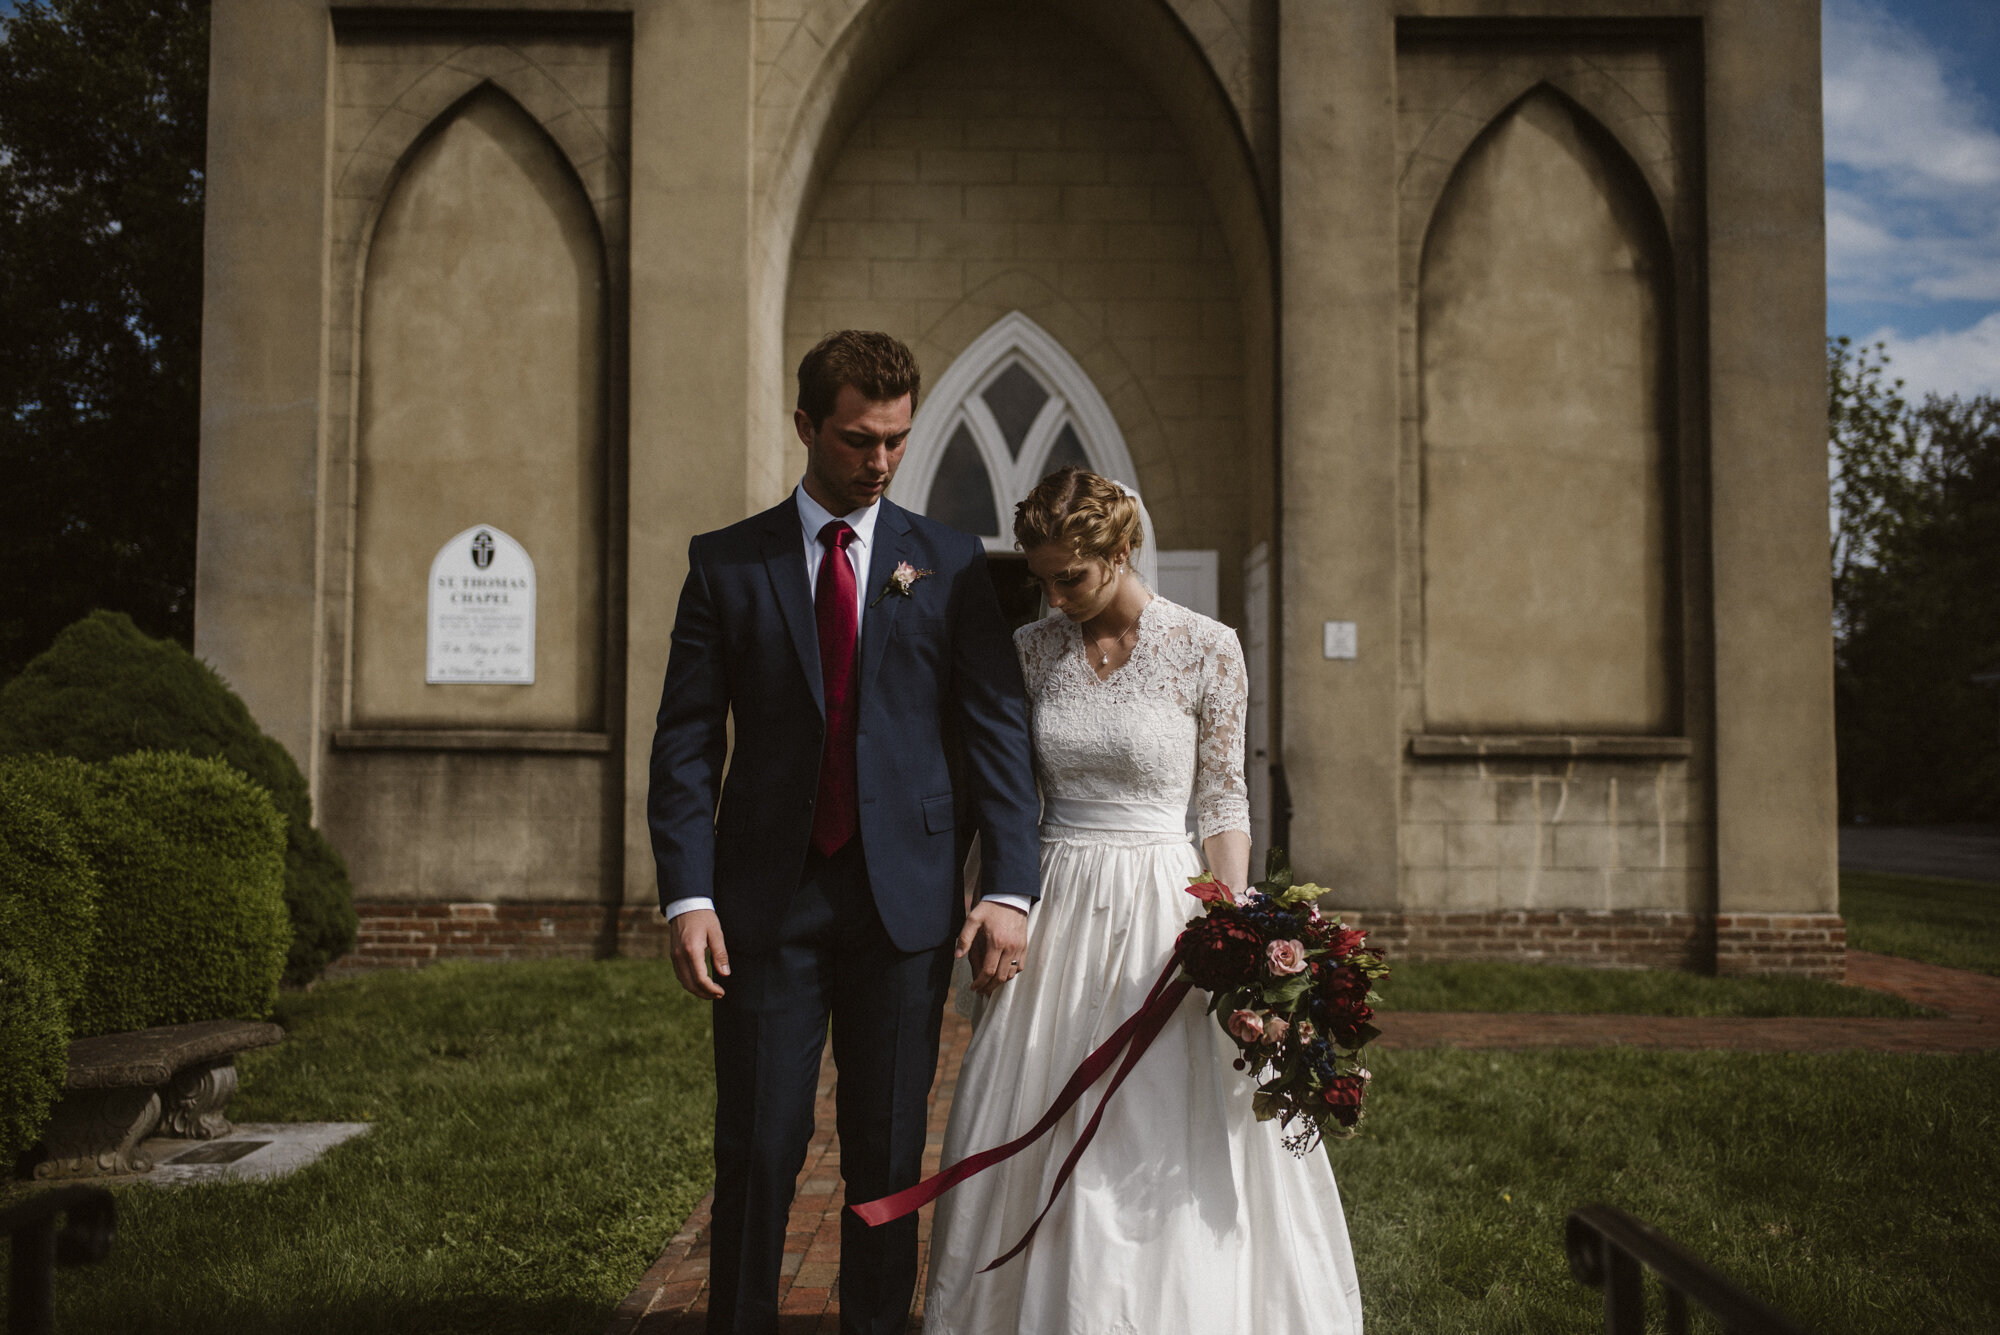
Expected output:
(834, 607)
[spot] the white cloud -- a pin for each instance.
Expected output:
(1890, 110)
(1913, 197)
(1963, 361)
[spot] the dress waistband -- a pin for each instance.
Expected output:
(1116, 814)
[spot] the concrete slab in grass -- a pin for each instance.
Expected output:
(254, 1151)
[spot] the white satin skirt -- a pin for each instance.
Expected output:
(1186, 1215)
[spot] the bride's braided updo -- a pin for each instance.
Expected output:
(1091, 515)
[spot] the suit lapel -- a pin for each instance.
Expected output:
(878, 623)
(785, 561)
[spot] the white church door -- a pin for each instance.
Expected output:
(1014, 407)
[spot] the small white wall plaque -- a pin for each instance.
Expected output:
(1340, 640)
(482, 611)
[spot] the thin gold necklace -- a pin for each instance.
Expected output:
(1103, 654)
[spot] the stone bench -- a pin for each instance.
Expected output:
(121, 1087)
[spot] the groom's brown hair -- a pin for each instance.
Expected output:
(876, 364)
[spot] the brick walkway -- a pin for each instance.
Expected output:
(672, 1298)
(1970, 1002)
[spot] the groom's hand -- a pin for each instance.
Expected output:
(696, 938)
(995, 935)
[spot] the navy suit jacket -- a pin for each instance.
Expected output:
(941, 739)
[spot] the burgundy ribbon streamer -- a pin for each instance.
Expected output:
(1131, 1038)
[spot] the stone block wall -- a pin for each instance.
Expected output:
(448, 826)
(1016, 165)
(1553, 835)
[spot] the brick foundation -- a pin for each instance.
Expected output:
(1805, 945)
(1798, 945)
(403, 936)
(1618, 939)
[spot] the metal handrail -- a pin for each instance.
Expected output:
(1607, 1249)
(38, 1247)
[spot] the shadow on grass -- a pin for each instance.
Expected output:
(464, 1314)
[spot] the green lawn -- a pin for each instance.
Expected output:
(1860, 1193)
(1483, 986)
(1955, 923)
(541, 1129)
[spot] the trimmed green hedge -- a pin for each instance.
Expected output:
(148, 889)
(34, 1050)
(105, 688)
(48, 918)
(191, 923)
(48, 886)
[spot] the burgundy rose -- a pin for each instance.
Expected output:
(1218, 952)
(1343, 1097)
(1339, 981)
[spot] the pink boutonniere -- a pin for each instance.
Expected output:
(901, 581)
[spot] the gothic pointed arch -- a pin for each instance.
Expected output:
(481, 399)
(1623, 126)
(1545, 339)
(1014, 406)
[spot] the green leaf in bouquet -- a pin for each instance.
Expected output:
(1264, 1105)
(1363, 1034)
(1302, 893)
(1282, 995)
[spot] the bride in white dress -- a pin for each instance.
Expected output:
(1186, 1215)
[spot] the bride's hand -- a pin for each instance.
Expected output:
(996, 935)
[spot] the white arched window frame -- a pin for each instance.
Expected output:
(958, 399)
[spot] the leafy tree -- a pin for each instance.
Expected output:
(1871, 465)
(1916, 563)
(103, 125)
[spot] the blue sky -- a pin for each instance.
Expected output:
(1912, 101)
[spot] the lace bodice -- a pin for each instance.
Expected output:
(1166, 725)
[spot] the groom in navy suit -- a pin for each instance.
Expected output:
(879, 723)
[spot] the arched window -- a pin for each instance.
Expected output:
(1014, 407)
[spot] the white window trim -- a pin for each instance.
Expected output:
(957, 398)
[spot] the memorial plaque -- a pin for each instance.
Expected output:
(482, 611)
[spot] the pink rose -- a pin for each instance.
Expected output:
(1247, 1026)
(1275, 1030)
(1285, 957)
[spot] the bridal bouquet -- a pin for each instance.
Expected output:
(1293, 989)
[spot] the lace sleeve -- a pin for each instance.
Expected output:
(1221, 798)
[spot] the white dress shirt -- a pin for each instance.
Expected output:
(812, 518)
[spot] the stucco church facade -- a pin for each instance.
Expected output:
(1467, 354)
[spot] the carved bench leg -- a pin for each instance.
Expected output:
(94, 1132)
(195, 1098)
